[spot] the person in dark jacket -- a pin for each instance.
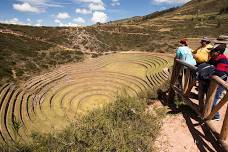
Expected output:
(220, 61)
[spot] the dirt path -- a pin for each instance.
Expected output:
(175, 136)
(182, 133)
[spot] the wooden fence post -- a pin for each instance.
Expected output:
(201, 93)
(224, 131)
(174, 77)
(222, 102)
(210, 98)
(186, 79)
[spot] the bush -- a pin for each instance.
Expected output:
(123, 125)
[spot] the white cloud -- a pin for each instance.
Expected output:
(99, 17)
(26, 7)
(83, 11)
(171, 1)
(71, 24)
(91, 1)
(115, 3)
(79, 20)
(18, 22)
(37, 24)
(36, 6)
(62, 15)
(57, 21)
(93, 5)
(60, 23)
(14, 21)
(29, 20)
(96, 6)
(39, 21)
(43, 3)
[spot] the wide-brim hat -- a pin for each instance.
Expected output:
(205, 39)
(222, 39)
(218, 48)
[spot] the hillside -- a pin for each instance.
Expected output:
(160, 31)
(27, 50)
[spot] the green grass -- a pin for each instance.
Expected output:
(124, 125)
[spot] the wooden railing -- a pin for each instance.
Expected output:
(183, 82)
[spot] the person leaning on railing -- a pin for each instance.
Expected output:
(220, 62)
(223, 39)
(184, 53)
(201, 54)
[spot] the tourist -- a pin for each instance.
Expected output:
(220, 62)
(184, 53)
(223, 39)
(201, 54)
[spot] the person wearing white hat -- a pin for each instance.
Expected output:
(201, 54)
(222, 39)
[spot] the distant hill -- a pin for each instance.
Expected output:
(25, 50)
(160, 31)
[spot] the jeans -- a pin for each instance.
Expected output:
(219, 91)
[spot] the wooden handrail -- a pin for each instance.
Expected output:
(194, 68)
(220, 81)
(224, 131)
(204, 109)
(191, 67)
(217, 107)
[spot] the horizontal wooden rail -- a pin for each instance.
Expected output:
(191, 67)
(183, 79)
(220, 81)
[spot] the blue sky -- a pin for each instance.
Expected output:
(77, 12)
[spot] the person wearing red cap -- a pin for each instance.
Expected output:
(184, 53)
(220, 62)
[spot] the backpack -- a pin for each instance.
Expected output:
(205, 71)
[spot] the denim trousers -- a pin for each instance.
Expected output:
(219, 91)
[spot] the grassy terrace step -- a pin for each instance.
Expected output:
(17, 112)
(69, 103)
(134, 80)
(10, 121)
(36, 83)
(140, 82)
(4, 91)
(52, 100)
(152, 72)
(3, 87)
(122, 76)
(84, 85)
(4, 107)
(31, 100)
(159, 78)
(116, 82)
(68, 107)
